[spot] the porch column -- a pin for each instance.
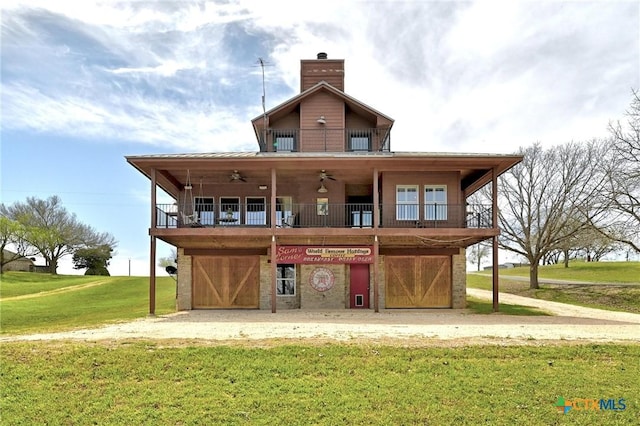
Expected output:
(376, 246)
(494, 218)
(152, 249)
(274, 262)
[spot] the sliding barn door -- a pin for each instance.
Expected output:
(418, 281)
(221, 282)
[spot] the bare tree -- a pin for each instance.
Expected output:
(623, 190)
(477, 252)
(548, 199)
(51, 230)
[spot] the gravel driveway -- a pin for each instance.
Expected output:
(416, 327)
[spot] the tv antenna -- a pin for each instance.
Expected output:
(264, 109)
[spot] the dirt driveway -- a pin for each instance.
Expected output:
(422, 327)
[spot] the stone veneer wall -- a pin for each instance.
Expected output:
(183, 302)
(335, 298)
(282, 302)
(459, 280)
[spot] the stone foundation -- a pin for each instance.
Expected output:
(459, 280)
(183, 301)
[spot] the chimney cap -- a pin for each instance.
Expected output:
(322, 55)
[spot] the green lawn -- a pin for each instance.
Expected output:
(624, 298)
(273, 382)
(119, 299)
(14, 284)
(478, 306)
(595, 272)
(154, 383)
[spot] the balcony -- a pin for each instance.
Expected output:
(327, 215)
(326, 140)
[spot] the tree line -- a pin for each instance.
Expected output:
(45, 228)
(573, 197)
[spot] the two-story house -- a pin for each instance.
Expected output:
(325, 215)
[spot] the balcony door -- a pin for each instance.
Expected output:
(204, 207)
(256, 211)
(229, 213)
(360, 211)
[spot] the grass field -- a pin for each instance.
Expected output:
(280, 382)
(594, 272)
(157, 383)
(622, 295)
(33, 303)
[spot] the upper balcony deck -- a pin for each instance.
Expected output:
(326, 139)
(325, 215)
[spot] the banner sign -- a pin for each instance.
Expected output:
(324, 254)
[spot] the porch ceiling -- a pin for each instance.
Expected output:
(353, 168)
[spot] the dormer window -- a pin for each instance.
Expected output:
(360, 140)
(284, 140)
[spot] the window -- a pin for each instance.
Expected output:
(205, 208)
(229, 211)
(284, 140)
(256, 211)
(435, 202)
(286, 282)
(407, 202)
(360, 140)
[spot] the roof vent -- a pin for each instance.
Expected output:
(322, 55)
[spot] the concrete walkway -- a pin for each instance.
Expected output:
(555, 308)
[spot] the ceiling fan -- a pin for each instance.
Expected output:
(236, 176)
(324, 175)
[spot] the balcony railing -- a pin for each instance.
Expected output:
(326, 140)
(326, 215)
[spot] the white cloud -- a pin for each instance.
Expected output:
(455, 76)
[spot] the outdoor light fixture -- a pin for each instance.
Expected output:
(322, 188)
(321, 120)
(262, 187)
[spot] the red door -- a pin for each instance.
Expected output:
(359, 297)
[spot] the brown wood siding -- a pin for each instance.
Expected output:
(332, 109)
(314, 71)
(224, 282)
(418, 281)
(290, 121)
(354, 121)
(450, 179)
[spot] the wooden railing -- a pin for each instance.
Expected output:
(326, 139)
(326, 215)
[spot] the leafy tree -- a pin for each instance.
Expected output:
(11, 235)
(163, 262)
(52, 231)
(94, 259)
(549, 199)
(170, 263)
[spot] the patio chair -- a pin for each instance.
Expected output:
(190, 219)
(288, 222)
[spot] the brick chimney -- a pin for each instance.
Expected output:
(312, 71)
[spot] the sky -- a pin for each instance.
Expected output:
(85, 84)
